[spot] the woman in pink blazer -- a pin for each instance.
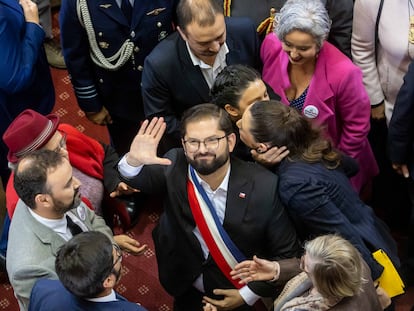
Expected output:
(313, 76)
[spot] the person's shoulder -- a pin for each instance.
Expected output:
(271, 45)
(127, 306)
(238, 23)
(252, 169)
(165, 50)
(44, 285)
(338, 65)
(241, 28)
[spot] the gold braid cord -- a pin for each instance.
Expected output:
(265, 26)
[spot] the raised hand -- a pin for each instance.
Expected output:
(143, 149)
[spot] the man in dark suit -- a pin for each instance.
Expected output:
(244, 196)
(88, 266)
(401, 150)
(180, 71)
(105, 56)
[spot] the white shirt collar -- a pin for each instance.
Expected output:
(107, 298)
(223, 186)
(57, 225)
(220, 58)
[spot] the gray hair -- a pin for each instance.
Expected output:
(309, 16)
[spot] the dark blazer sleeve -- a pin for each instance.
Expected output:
(111, 177)
(75, 48)
(341, 14)
(18, 56)
(401, 128)
(320, 215)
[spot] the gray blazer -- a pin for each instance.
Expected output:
(32, 248)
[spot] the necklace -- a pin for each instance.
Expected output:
(411, 30)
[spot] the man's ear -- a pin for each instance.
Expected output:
(42, 199)
(231, 139)
(182, 34)
(109, 282)
(231, 110)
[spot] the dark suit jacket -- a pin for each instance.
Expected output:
(118, 90)
(51, 295)
(25, 80)
(401, 129)
(171, 83)
(321, 201)
(256, 222)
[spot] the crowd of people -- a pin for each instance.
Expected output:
(267, 128)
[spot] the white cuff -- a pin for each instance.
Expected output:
(127, 170)
(248, 295)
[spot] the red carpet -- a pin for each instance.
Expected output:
(139, 282)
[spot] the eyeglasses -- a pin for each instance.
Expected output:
(62, 143)
(210, 143)
(118, 252)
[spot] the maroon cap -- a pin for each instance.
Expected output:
(28, 132)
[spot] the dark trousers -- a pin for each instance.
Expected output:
(390, 195)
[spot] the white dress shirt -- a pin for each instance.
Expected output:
(210, 73)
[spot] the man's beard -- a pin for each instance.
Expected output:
(207, 167)
(62, 208)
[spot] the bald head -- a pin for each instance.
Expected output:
(202, 12)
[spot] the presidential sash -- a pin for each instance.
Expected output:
(224, 252)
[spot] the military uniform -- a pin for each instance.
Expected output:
(101, 82)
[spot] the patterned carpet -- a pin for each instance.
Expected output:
(139, 282)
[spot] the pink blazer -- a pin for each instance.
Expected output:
(336, 99)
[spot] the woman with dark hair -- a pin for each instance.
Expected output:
(312, 181)
(235, 88)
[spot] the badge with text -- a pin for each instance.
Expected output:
(311, 112)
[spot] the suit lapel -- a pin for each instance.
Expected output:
(320, 91)
(238, 194)
(233, 56)
(192, 73)
(138, 13)
(109, 8)
(45, 234)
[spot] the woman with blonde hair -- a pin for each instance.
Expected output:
(333, 277)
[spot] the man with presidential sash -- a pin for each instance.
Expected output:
(218, 210)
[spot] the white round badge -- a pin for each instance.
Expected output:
(311, 112)
(81, 212)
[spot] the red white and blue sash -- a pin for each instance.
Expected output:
(224, 252)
